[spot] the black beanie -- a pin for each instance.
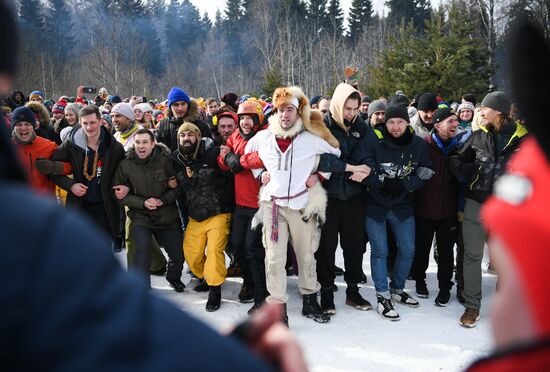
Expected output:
(397, 111)
(442, 114)
(8, 40)
(427, 102)
(20, 114)
(366, 99)
(398, 100)
(498, 101)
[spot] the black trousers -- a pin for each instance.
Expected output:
(345, 219)
(459, 258)
(249, 251)
(172, 242)
(98, 214)
(445, 236)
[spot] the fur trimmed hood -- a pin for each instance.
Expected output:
(310, 120)
(192, 115)
(42, 111)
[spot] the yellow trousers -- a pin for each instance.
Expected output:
(204, 246)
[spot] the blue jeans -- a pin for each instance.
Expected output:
(404, 235)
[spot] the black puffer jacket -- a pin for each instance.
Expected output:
(390, 161)
(339, 186)
(148, 178)
(73, 151)
(479, 161)
(209, 191)
(167, 130)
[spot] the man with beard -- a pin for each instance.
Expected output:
(181, 108)
(422, 122)
(209, 200)
(289, 150)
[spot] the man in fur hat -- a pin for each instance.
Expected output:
(290, 150)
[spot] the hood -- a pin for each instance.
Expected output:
(78, 138)
(192, 115)
(14, 92)
(339, 98)
(42, 112)
(160, 149)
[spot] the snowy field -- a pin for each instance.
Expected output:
(427, 338)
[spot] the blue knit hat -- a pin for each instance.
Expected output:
(37, 94)
(176, 95)
(20, 114)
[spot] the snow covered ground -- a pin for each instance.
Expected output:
(427, 338)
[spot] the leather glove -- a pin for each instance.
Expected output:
(48, 167)
(233, 161)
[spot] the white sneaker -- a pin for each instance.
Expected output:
(404, 299)
(385, 309)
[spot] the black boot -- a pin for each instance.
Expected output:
(354, 299)
(312, 310)
(202, 286)
(246, 295)
(327, 301)
(177, 285)
(214, 298)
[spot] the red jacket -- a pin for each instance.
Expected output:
(247, 187)
(39, 148)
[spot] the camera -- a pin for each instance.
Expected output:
(89, 90)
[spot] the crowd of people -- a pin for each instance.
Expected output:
(276, 183)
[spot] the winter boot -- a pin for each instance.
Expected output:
(214, 298)
(312, 310)
(422, 289)
(385, 308)
(177, 285)
(469, 318)
(202, 286)
(327, 301)
(354, 299)
(246, 295)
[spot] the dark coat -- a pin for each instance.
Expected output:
(437, 200)
(70, 151)
(339, 186)
(167, 130)
(388, 160)
(209, 191)
(479, 162)
(146, 179)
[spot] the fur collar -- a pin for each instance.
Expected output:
(278, 131)
(192, 115)
(42, 112)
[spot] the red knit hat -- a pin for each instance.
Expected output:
(59, 107)
(518, 215)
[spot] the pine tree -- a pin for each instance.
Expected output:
(360, 18)
(59, 32)
(406, 10)
(335, 18)
(206, 23)
(128, 8)
(316, 16)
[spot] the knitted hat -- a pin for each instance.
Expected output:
(376, 105)
(498, 101)
(398, 100)
(36, 94)
(441, 114)
(114, 99)
(427, 102)
(74, 107)
(20, 114)
(314, 100)
(517, 201)
(107, 118)
(230, 99)
(176, 95)
(396, 111)
(465, 106)
(144, 107)
(59, 107)
(124, 109)
(366, 99)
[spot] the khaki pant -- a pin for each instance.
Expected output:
(305, 240)
(211, 234)
(158, 261)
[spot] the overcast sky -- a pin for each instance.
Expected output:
(210, 6)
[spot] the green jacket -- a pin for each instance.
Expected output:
(148, 178)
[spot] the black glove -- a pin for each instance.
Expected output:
(393, 186)
(47, 167)
(233, 161)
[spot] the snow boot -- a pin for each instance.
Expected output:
(354, 299)
(177, 285)
(214, 298)
(312, 310)
(327, 301)
(202, 286)
(385, 308)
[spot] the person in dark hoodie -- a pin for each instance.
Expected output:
(94, 155)
(151, 204)
(345, 207)
(400, 164)
(481, 160)
(16, 99)
(180, 108)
